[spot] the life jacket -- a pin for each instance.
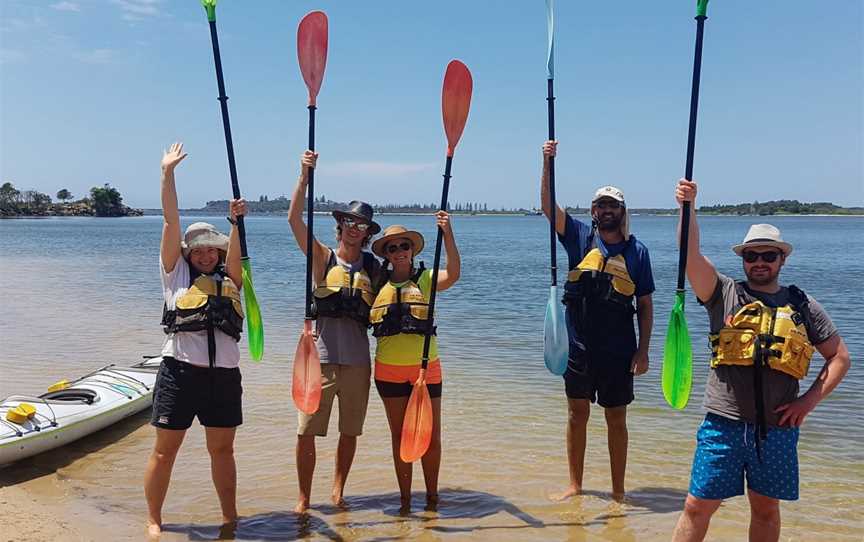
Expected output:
(763, 336)
(211, 302)
(779, 333)
(599, 295)
(344, 293)
(401, 309)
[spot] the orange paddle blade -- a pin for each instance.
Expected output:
(417, 427)
(306, 387)
(455, 102)
(312, 51)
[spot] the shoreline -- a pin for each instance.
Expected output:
(195, 212)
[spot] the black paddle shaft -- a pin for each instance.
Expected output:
(226, 125)
(310, 212)
(427, 340)
(691, 146)
(550, 100)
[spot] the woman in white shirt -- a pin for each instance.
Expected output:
(199, 376)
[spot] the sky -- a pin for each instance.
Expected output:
(91, 91)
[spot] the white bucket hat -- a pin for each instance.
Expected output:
(763, 235)
(202, 234)
(618, 195)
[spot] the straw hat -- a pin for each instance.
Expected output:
(397, 231)
(763, 235)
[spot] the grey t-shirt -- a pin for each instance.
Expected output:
(344, 340)
(729, 391)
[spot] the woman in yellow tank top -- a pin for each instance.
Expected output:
(400, 319)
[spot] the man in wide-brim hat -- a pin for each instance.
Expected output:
(762, 338)
(610, 281)
(344, 280)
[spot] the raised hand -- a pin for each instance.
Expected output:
(172, 156)
(685, 191)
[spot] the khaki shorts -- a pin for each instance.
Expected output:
(351, 384)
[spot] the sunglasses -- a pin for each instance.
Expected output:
(767, 257)
(608, 204)
(394, 248)
(351, 223)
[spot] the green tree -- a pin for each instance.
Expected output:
(10, 199)
(106, 201)
(64, 195)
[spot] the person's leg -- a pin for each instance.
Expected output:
(764, 517)
(432, 458)
(578, 412)
(158, 474)
(395, 409)
(694, 520)
(310, 426)
(616, 426)
(353, 386)
(223, 469)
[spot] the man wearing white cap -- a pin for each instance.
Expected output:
(762, 337)
(610, 271)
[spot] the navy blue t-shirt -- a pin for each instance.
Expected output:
(578, 241)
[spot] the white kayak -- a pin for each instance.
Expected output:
(30, 425)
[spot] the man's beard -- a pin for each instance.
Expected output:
(609, 224)
(764, 279)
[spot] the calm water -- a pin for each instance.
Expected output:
(85, 292)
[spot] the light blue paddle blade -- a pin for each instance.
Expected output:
(555, 341)
(550, 27)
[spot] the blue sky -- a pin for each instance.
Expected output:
(92, 90)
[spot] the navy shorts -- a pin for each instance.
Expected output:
(183, 391)
(604, 379)
(726, 455)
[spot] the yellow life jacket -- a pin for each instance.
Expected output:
(401, 309)
(344, 293)
(211, 302)
(780, 333)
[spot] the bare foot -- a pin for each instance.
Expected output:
(432, 502)
(405, 506)
(154, 531)
(228, 530)
(339, 501)
(620, 498)
(302, 507)
(571, 491)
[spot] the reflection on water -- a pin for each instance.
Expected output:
(86, 292)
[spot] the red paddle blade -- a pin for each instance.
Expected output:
(312, 51)
(417, 427)
(306, 385)
(455, 102)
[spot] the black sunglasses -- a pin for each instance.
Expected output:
(394, 248)
(608, 204)
(767, 257)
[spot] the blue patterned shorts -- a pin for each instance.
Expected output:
(726, 454)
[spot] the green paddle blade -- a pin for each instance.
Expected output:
(556, 345)
(677, 357)
(254, 326)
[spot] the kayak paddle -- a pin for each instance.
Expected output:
(254, 325)
(677, 353)
(555, 341)
(455, 102)
(312, 54)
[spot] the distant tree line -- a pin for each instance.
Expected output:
(103, 200)
(783, 206)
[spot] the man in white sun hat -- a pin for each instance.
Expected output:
(762, 336)
(610, 280)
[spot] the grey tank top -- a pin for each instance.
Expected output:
(343, 341)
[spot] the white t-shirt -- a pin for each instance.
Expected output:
(191, 346)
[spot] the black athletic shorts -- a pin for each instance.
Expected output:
(403, 389)
(183, 391)
(605, 379)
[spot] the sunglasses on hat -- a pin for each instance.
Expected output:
(351, 223)
(767, 257)
(394, 248)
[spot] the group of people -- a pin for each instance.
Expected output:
(762, 338)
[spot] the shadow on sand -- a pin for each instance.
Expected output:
(49, 462)
(269, 526)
